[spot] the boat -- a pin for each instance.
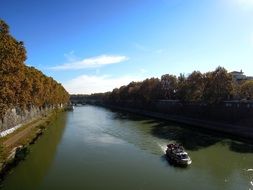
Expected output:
(177, 155)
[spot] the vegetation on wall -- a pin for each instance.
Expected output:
(22, 86)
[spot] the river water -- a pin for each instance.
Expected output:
(96, 148)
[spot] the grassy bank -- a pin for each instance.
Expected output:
(15, 146)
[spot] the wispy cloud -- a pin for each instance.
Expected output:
(92, 62)
(87, 84)
(70, 56)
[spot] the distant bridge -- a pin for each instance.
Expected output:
(81, 100)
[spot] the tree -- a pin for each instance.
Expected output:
(12, 57)
(246, 90)
(182, 89)
(212, 87)
(194, 85)
(169, 85)
(134, 90)
(4, 28)
(22, 86)
(218, 86)
(150, 89)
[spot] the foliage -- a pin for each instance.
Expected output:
(150, 89)
(211, 87)
(194, 87)
(218, 86)
(169, 84)
(246, 90)
(20, 85)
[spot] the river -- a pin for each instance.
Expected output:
(97, 148)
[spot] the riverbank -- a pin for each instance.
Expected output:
(15, 146)
(236, 131)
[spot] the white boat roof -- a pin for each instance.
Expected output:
(181, 153)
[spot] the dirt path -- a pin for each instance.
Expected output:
(19, 135)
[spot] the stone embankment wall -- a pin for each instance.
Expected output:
(13, 118)
(230, 112)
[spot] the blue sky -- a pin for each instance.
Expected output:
(95, 45)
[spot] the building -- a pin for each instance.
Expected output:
(239, 76)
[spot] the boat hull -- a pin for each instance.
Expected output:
(178, 162)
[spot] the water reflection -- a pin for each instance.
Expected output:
(30, 172)
(103, 139)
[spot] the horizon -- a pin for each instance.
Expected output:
(96, 46)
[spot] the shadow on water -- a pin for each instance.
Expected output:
(44, 149)
(241, 147)
(126, 116)
(190, 138)
(193, 138)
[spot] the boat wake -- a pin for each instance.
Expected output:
(163, 147)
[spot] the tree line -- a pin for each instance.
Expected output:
(211, 87)
(20, 85)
